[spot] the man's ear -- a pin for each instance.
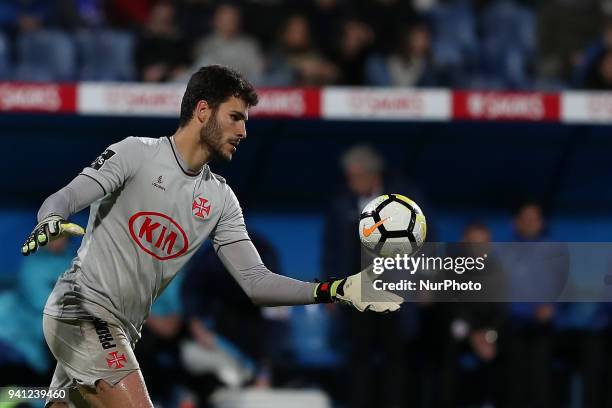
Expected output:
(202, 111)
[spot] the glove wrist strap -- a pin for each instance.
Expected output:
(325, 292)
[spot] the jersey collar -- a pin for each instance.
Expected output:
(181, 163)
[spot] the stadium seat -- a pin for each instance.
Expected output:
(45, 55)
(105, 55)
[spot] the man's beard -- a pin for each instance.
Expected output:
(211, 136)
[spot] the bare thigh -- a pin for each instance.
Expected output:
(130, 392)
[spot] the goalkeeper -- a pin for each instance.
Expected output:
(153, 202)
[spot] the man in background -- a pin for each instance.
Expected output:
(370, 344)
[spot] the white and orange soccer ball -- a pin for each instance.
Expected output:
(392, 224)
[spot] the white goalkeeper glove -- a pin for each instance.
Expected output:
(358, 290)
(48, 230)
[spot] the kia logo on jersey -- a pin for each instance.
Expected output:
(158, 235)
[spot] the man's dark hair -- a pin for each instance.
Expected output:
(215, 84)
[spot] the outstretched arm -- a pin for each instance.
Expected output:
(263, 287)
(266, 288)
(241, 259)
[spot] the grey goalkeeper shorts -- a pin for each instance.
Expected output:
(88, 350)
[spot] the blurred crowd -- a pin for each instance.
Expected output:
(204, 334)
(492, 44)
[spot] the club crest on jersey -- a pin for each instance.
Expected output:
(115, 360)
(200, 208)
(158, 235)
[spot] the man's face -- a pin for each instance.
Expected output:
(227, 21)
(477, 236)
(360, 180)
(529, 223)
(225, 128)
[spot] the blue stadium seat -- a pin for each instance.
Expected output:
(45, 55)
(105, 55)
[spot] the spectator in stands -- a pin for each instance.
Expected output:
(409, 65)
(599, 76)
(385, 17)
(297, 51)
(587, 72)
(218, 315)
(74, 14)
(324, 17)
(20, 16)
(356, 40)
(195, 17)
(43, 53)
(228, 46)
(158, 348)
(129, 13)
(161, 52)
(565, 27)
(24, 356)
(594, 70)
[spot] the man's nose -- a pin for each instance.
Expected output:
(242, 133)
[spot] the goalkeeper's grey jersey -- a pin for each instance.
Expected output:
(152, 219)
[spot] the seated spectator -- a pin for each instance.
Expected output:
(161, 51)
(384, 17)
(585, 73)
(564, 28)
(43, 53)
(409, 65)
(297, 52)
(324, 16)
(129, 13)
(599, 76)
(356, 40)
(228, 46)
(594, 67)
(158, 349)
(24, 15)
(74, 14)
(195, 17)
(232, 354)
(23, 351)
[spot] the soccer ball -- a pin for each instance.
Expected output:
(392, 224)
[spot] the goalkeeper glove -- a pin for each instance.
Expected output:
(357, 290)
(48, 230)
